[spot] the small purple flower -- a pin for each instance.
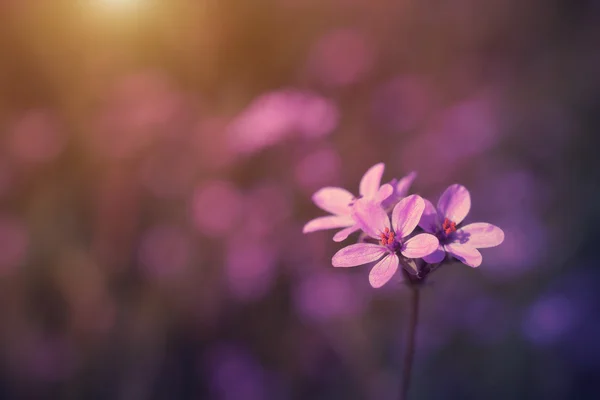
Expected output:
(339, 203)
(374, 221)
(462, 243)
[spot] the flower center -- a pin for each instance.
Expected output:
(387, 237)
(448, 226)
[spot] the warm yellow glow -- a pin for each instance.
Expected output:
(117, 14)
(119, 4)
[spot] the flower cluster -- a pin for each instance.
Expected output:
(416, 234)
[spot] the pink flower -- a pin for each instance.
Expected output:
(461, 243)
(374, 221)
(339, 202)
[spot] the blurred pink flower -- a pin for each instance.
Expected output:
(341, 57)
(277, 115)
(316, 117)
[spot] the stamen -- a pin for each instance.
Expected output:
(448, 226)
(387, 237)
(390, 238)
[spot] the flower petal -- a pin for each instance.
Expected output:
(406, 215)
(404, 184)
(437, 256)
(371, 218)
(464, 253)
(383, 193)
(400, 189)
(334, 200)
(481, 235)
(369, 184)
(328, 222)
(344, 233)
(383, 271)
(429, 220)
(420, 245)
(358, 254)
(455, 203)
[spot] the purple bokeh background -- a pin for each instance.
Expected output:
(157, 161)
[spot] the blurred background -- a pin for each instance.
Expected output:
(157, 160)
